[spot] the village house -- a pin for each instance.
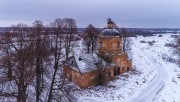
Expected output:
(87, 70)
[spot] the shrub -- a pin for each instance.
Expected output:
(160, 35)
(151, 42)
(142, 41)
(170, 45)
(174, 36)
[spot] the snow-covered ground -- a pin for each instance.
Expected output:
(152, 79)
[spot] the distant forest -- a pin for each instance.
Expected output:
(132, 32)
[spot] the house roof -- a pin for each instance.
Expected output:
(85, 62)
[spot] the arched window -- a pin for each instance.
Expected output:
(123, 68)
(100, 44)
(119, 45)
(128, 69)
(109, 74)
(70, 78)
(115, 71)
(118, 70)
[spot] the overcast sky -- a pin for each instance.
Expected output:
(125, 13)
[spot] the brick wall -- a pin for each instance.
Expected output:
(84, 80)
(110, 44)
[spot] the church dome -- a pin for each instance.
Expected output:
(110, 32)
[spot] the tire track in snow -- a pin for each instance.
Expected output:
(150, 91)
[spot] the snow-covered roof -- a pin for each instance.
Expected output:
(85, 62)
(110, 32)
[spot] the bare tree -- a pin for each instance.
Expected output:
(102, 75)
(59, 90)
(178, 43)
(125, 35)
(56, 50)
(64, 91)
(19, 53)
(41, 52)
(128, 44)
(70, 28)
(5, 47)
(178, 49)
(90, 37)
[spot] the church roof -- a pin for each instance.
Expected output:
(109, 21)
(85, 62)
(110, 32)
(110, 29)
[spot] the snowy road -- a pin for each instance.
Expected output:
(148, 94)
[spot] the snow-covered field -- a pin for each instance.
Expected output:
(152, 79)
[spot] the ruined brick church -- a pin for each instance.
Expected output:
(83, 69)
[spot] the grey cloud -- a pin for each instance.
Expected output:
(126, 13)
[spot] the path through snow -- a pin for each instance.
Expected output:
(156, 84)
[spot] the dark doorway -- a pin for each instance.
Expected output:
(70, 78)
(118, 70)
(115, 71)
(128, 69)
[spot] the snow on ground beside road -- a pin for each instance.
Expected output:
(131, 84)
(171, 91)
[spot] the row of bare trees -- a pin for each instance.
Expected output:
(25, 53)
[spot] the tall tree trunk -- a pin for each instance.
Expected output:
(52, 83)
(92, 46)
(88, 49)
(21, 87)
(9, 71)
(9, 66)
(21, 93)
(39, 71)
(37, 80)
(67, 50)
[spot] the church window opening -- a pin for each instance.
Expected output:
(100, 44)
(118, 44)
(123, 68)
